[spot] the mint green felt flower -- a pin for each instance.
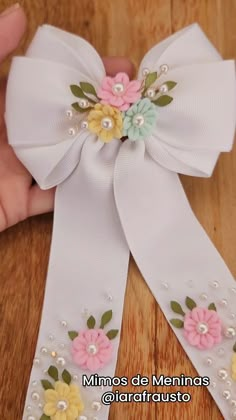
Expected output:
(139, 120)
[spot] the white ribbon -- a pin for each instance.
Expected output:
(119, 197)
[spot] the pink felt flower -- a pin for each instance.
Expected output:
(202, 328)
(92, 349)
(119, 91)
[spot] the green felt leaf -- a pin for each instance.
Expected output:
(91, 322)
(163, 100)
(78, 108)
(66, 376)
(170, 84)
(46, 384)
(234, 347)
(106, 317)
(73, 334)
(176, 307)
(53, 372)
(112, 334)
(77, 91)
(178, 323)
(150, 79)
(190, 303)
(44, 417)
(88, 88)
(212, 306)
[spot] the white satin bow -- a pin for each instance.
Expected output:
(189, 134)
(126, 196)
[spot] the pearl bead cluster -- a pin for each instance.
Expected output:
(229, 332)
(71, 115)
(60, 360)
(163, 89)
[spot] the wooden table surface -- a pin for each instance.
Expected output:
(129, 28)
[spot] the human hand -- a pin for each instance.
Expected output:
(19, 199)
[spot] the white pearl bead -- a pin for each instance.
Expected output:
(51, 337)
(208, 361)
(83, 103)
(34, 383)
(118, 88)
(96, 405)
(31, 418)
(75, 377)
(35, 396)
(92, 349)
(164, 68)
(145, 71)
(202, 327)
(233, 403)
(233, 289)
(223, 303)
(164, 285)
(230, 332)
(63, 323)
(36, 361)
(213, 384)
(84, 124)
(109, 297)
(60, 361)
(222, 374)
(61, 345)
(71, 131)
(226, 394)
(214, 284)
(138, 120)
(43, 350)
(151, 93)
(107, 123)
(62, 405)
(232, 316)
(85, 312)
(228, 383)
(69, 114)
(220, 352)
(28, 408)
(83, 418)
(203, 296)
(163, 88)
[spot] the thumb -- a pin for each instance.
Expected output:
(12, 27)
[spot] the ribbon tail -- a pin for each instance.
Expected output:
(86, 276)
(176, 257)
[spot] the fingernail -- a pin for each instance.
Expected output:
(10, 10)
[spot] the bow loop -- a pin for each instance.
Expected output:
(38, 128)
(200, 122)
(56, 45)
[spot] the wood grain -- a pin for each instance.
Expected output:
(129, 28)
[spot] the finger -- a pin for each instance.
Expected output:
(12, 27)
(40, 201)
(114, 65)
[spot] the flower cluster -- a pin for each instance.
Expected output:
(92, 348)
(202, 326)
(121, 108)
(62, 398)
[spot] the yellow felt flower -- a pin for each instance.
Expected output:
(233, 367)
(63, 402)
(106, 122)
